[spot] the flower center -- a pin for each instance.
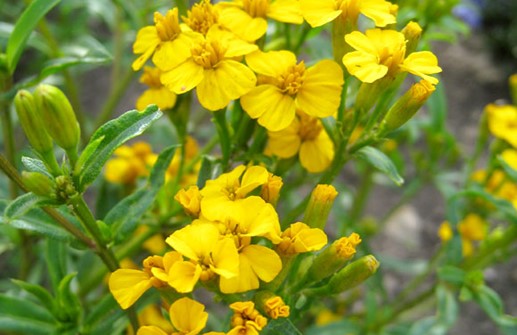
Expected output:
(291, 81)
(201, 17)
(392, 56)
(167, 26)
(310, 127)
(208, 53)
(256, 8)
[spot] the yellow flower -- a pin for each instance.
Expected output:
(307, 137)
(381, 53)
(285, 86)
(202, 16)
(445, 231)
(271, 189)
(502, 122)
(219, 194)
(188, 317)
(299, 238)
(248, 18)
(208, 252)
(129, 163)
(159, 40)
(209, 65)
(152, 315)
(157, 93)
(190, 200)
(472, 228)
(127, 285)
(510, 157)
(246, 319)
(317, 13)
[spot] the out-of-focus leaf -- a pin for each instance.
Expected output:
(447, 309)
(23, 309)
(38, 292)
(280, 326)
(380, 161)
(334, 328)
(452, 274)
(428, 326)
(510, 172)
(113, 133)
(24, 27)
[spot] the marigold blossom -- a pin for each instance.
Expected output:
(285, 86)
(381, 53)
(307, 137)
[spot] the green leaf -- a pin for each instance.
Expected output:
(39, 292)
(24, 203)
(381, 162)
(35, 165)
(492, 304)
(113, 133)
(26, 325)
(24, 27)
(56, 259)
(67, 301)
(280, 326)
(503, 206)
(510, 171)
(125, 215)
(334, 328)
(428, 326)
(452, 274)
(447, 309)
(209, 169)
(22, 308)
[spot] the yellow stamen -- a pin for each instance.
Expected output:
(208, 54)
(291, 81)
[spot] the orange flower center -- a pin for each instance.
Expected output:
(208, 53)
(310, 127)
(167, 26)
(256, 8)
(291, 81)
(201, 17)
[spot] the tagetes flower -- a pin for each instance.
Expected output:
(248, 18)
(285, 86)
(159, 40)
(208, 252)
(188, 317)
(208, 65)
(317, 13)
(381, 53)
(299, 238)
(127, 285)
(156, 93)
(306, 137)
(246, 319)
(218, 195)
(502, 122)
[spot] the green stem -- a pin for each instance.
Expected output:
(302, 37)
(360, 198)
(224, 136)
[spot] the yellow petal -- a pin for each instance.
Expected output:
(127, 285)
(284, 143)
(317, 13)
(242, 24)
(317, 155)
(150, 330)
(273, 63)
(184, 276)
(188, 316)
(253, 177)
(146, 38)
(320, 93)
(378, 11)
(194, 241)
(309, 239)
(421, 64)
(265, 262)
(162, 97)
(364, 66)
(246, 280)
(257, 218)
(183, 78)
(225, 258)
(288, 11)
(228, 81)
(172, 53)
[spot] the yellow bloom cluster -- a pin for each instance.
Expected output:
(471, 229)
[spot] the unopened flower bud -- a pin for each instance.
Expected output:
(58, 117)
(334, 257)
(272, 305)
(512, 81)
(271, 189)
(412, 32)
(65, 188)
(39, 184)
(407, 105)
(320, 204)
(190, 200)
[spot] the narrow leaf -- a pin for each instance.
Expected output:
(23, 308)
(24, 27)
(35, 165)
(25, 325)
(38, 292)
(114, 133)
(381, 162)
(24, 203)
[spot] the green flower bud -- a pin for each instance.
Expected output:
(31, 122)
(58, 117)
(320, 204)
(407, 105)
(39, 184)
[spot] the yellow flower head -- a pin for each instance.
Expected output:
(502, 122)
(285, 86)
(299, 238)
(152, 315)
(129, 163)
(207, 63)
(156, 93)
(219, 194)
(248, 18)
(246, 320)
(188, 317)
(307, 137)
(445, 231)
(158, 40)
(472, 228)
(317, 13)
(127, 285)
(201, 17)
(190, 200)
(208, 252)
(271, 189)
(381, 53)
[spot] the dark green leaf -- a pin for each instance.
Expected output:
(381, 162)
(210, 169)
(66, 299)
(56, 259)
(35, 165)
(24, 27)
(280, 326)
(24, 203)
(113, 133)
(124, 216)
